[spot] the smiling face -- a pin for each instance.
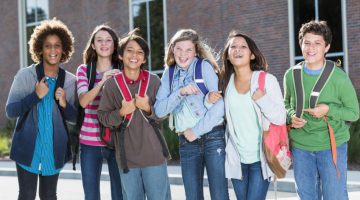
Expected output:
(52, 50)
(313, 48)
(239, 53)
(133, 56)
(103, 44)
(184, 53)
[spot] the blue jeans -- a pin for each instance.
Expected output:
(207, 151)
(316, 176)
(91, 158)
(252, 185)
(150, 182)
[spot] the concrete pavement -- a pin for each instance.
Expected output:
(70, 186)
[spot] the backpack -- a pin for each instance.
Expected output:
(276, 143)
(198, 76)
(314, 95)
(107, 133)
(72, 139)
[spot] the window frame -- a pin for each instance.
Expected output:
(131, 27)
(292, 33)
(23, 49)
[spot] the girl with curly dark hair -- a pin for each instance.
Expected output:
(40, 141)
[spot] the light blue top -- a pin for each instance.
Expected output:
(312, 72)
(246, 125)
(189, 111)
(43, 158)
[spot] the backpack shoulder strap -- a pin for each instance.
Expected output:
(198, 76)
(40, 73)
(321, 82)
(171, 75)
(261, 80)
(299, 91)
(125, 92)
(144, 83)
(91, 74)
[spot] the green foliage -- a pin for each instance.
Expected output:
(354, 143)
(4, 146)
(172, 140)
(5, 138)
(156, 28)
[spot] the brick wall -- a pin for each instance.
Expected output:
(9, 51)
(80, 16)
(84, 16)
(353, 29)
(264, 21)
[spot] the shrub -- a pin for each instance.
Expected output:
(172, 140)
(5, 138)
(354, 143)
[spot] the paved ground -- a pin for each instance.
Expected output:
(70, 186)
(71, 189)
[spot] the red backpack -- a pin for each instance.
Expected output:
(106, 133)
(276, 143)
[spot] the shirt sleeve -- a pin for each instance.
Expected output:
(82, 83)
(166, 101)
(348, 110)
(215, 113)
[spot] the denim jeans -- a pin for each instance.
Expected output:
(150, 182)
(207, 151)
(316, 176)
(91, 158)
(252, 185)
(28, 184)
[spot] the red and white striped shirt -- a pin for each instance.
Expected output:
(90, 129)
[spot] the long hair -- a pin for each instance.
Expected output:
(202, 49)
(90, 55)
(259, 63)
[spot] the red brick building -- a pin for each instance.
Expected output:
(272, 24)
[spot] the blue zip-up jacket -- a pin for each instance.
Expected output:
(22, 98)
(170, 101)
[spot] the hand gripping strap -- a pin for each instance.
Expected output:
(198, 76)
(125, 92)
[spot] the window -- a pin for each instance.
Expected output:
(328, 10)
(148, 15)
(32, 13)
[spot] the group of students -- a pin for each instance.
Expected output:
(219, 114)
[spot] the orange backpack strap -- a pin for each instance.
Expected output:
(333, 145)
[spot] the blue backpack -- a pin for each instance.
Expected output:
(197, 76)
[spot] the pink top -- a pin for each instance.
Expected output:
(90, 131)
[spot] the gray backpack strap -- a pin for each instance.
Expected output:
(299, 91)
(321, 82)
